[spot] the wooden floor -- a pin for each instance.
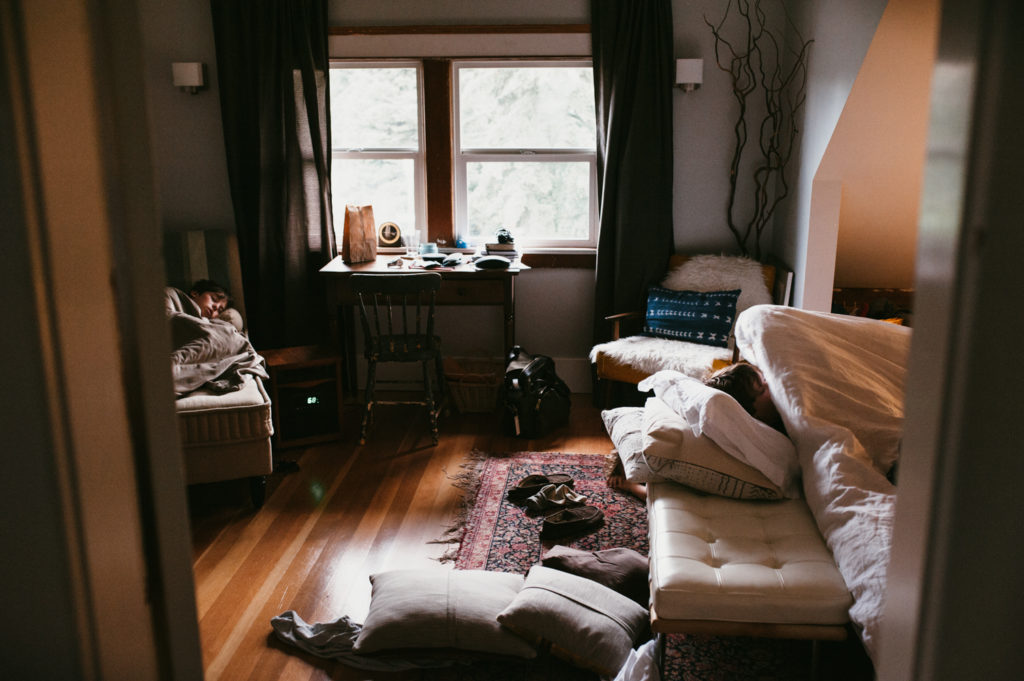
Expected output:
(346, 512)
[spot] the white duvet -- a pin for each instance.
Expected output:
(838, 382)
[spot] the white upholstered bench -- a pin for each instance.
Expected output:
(728, 567)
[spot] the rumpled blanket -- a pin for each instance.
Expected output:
(207, 353)
(334, 641)
(838, 382)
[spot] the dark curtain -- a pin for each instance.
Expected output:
(633, 79)
(272, 69)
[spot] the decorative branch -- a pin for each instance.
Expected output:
(759, 63)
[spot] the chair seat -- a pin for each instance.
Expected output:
(634, 358)
(404, 348)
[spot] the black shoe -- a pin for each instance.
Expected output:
(572, 521)
(532, 484)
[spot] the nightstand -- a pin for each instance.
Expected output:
(305, 394)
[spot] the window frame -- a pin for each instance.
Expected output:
(419, 156)
(462, 157)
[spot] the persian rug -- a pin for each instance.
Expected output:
(494, 534)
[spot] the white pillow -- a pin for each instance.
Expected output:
(722, 273)
(624, 426)
(673, 452)
(713, 413)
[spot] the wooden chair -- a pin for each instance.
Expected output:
(397, 315)
(610, 367)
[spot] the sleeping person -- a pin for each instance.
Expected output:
(744, 383)
(209, 349)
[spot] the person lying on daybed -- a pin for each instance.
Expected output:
(744, 383)
(209, 349)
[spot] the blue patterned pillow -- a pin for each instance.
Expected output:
(694, 316)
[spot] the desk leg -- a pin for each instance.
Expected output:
(510, 313)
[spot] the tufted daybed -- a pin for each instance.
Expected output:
(811, 563)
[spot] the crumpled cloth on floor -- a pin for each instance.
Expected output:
(642, 664)
(334, 641)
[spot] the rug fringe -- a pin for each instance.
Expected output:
(467, 480)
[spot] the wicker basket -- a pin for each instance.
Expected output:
(474, 382)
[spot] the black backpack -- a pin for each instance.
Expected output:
(535, 399)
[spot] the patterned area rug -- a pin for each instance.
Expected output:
(494, 534)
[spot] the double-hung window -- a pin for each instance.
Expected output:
(525, 154)
(377, 141)
(522, 153)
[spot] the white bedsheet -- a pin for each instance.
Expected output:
(838, 382)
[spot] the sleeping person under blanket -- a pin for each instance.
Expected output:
(209, 349)
(744, 383)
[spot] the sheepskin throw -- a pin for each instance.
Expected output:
(722, 273)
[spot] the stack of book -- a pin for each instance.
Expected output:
(507, 250)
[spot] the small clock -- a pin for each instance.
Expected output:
(389, 234)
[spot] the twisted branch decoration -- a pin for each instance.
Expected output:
(756, 62)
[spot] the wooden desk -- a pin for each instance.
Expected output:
(462, 285)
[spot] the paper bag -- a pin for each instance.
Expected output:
(359, 241)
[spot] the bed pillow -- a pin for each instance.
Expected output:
(673, 452)
(586, 623)
(717, 415)
(693, 316)
(722, 273)
(440, 608)
(625, 428)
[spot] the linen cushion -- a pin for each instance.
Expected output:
(713, 413)
(722, 273)
(441, 608)
(620, 569)
(625, 428)
(586, 623)
(673, 452)
(699, 317)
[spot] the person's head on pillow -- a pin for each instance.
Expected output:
(211, 297)
(745, 384)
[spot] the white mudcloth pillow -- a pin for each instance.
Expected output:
(625, 428)
(713, 413)
(673, 452)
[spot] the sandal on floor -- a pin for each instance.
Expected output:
(553, 497)
(572, 521)
(532, 484)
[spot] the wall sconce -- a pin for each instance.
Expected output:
(689, 74)
(188, 76)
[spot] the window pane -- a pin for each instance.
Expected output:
(534, 200)
(374, 108)
(387, 185)
(526, 108)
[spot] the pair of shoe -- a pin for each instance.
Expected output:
(554, 497)
(532, 484)
(572, 521)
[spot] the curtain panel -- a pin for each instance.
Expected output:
(272, 68)
(633, 79)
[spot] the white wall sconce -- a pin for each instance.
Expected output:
(689, 74)
(188, 76)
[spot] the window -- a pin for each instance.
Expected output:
(376, 139)
(519, 149)
(525, 154)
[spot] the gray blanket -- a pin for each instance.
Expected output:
(207, 353)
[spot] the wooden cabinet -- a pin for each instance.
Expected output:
(305, 391)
